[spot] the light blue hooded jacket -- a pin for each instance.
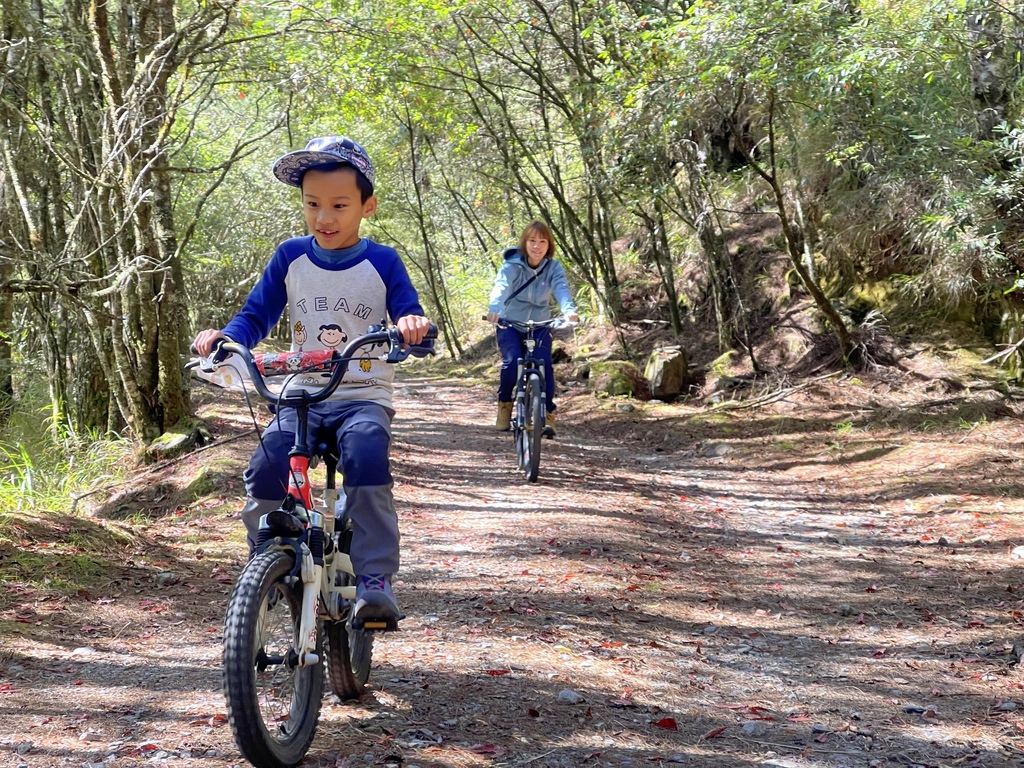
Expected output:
(533, 303)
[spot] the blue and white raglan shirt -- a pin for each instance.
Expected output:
(332, 297)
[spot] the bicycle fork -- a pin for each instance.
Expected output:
(311, 575)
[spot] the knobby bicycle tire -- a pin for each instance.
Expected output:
(349, 655)
(273, 705)
(349, 651)
(535, 426)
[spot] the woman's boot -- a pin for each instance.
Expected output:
(504, 421)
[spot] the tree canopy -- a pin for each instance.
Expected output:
(136, 139)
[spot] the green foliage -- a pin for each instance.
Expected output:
(603, 117)
(45, 467)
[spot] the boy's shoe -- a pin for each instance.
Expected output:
(549, 425)
(503, 423)
(376, 607)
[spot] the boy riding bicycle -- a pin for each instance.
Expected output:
(340, 283)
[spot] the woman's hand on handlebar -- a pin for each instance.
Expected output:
(206, 340)
(413, 328)
(492, 318)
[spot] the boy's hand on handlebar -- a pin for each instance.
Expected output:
(205, 341)
(413, 328)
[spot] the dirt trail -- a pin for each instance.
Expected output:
(801, 586)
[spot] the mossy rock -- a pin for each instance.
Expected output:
(618, 377)
(667, 372)
(183, 437)
(211, 477)
(721, 364)
(878, 296)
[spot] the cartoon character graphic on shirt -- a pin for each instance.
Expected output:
(299, 334)
(331, 336)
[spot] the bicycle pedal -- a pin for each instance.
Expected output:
(376, 624)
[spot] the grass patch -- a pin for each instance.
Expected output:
(43, 471)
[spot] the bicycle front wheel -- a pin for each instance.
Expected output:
(534, 427)
(273, 704)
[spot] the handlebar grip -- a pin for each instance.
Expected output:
(217, 355)
(431, 335)
(426, 347)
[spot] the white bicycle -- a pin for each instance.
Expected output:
(291, 606)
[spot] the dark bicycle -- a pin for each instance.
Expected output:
(291, 606)
(529, 410)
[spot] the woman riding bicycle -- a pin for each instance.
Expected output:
(523, 290)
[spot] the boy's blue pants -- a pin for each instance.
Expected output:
(362, 435)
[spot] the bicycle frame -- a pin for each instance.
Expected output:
(528, 366)
(292, 605)
(529, 418)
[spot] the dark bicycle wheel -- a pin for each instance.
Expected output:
(534, 427)
(349, 655)
(273, 704)
(349, 651)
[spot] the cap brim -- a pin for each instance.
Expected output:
(289, 168)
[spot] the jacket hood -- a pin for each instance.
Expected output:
(511, 253)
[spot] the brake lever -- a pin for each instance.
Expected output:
(204, 364)
(210, 363)
(396, 354)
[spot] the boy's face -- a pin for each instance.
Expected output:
(333, 207)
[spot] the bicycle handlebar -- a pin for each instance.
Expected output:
(266, 364)
(529, 325)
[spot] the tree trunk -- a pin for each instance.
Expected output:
(433, 269)
(794, 237)
(7, 261)
(989, 78)
(667, 271)
(86, 188)
(721, 279)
